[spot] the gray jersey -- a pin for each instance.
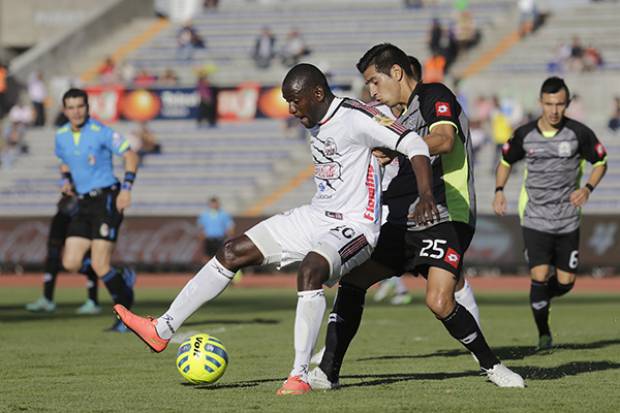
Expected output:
(554, 166)
(431, 105)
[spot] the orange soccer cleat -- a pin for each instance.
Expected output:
(143, 327)
(294, 385)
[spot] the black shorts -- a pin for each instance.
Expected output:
(559, 250)
(211, 245)
(97, 217)
(58, 229)
(442, 245)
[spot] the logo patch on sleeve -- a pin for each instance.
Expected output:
(452, 257)
(505, 148)
(443, 109)
(600, 150)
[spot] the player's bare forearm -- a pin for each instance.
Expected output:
(131, 160)
(502, 173)
(441, 139)
(597, 174)
(426, 209)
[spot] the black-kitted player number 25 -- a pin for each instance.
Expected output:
(433, 248)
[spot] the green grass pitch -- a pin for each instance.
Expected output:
(402, 359)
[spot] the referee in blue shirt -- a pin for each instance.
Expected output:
(216, 225)
(85, 148)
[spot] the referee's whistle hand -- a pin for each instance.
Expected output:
(499, 203)
(123, 200)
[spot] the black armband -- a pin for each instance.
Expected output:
(130, 177)
(499, 188)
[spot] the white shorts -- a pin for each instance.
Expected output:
(288, 237)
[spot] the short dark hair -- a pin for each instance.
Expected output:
(309, 75)
(416, 68)
(553, 85)
(384, 56)
(75, 93)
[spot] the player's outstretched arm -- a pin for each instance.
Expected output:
(426, 210)
(501, 177)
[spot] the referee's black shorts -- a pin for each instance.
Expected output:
(559, 250)
(442, 245)
(97, 216)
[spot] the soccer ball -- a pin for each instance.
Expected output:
(202, 359)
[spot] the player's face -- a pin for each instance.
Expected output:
(302, 105)
(76, 111)
(554, 106)
(383, 88)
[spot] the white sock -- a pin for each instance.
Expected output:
(210, 281)
(308, 318)
(465, 297)
(401, 288)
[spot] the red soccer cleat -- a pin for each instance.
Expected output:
(143, 327)
(294, 385)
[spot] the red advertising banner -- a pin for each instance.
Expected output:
(104, 101)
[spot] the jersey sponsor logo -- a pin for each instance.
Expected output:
(330, 148)
(600, 150)
(327, 171)
(452, 257)
(381, 119)
(372, 193)
(443, 109)
(564, 150)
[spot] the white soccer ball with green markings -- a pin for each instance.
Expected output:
(202, 359)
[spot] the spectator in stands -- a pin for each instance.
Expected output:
(188, 40)
(592, 58)
(143, 141)
(479, 138)
(434, 68)
(127, 72)
(107, 71)
(560, 59)
(466, 33)
(3, 87)
(210, 4)
(144, 79)
(576, 59)
(449, 47)
(169, 78)
(294, 48)
(501, 130)
(216, 225)
(37, 93)
(20, 118)
(434, 36)
(264, 48)
(207, 110)
(528, 15)
(614, 120)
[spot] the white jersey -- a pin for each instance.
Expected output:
(347, 176)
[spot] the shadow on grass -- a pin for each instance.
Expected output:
(249, 321)
(569, 369)
(504, 353)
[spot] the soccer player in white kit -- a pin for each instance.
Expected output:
(333, 234)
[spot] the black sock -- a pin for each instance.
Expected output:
(120, 292)
(557, 289)
(344, 321)
(92, 286)
(52, 266)
(540, 303)
(462, 326)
